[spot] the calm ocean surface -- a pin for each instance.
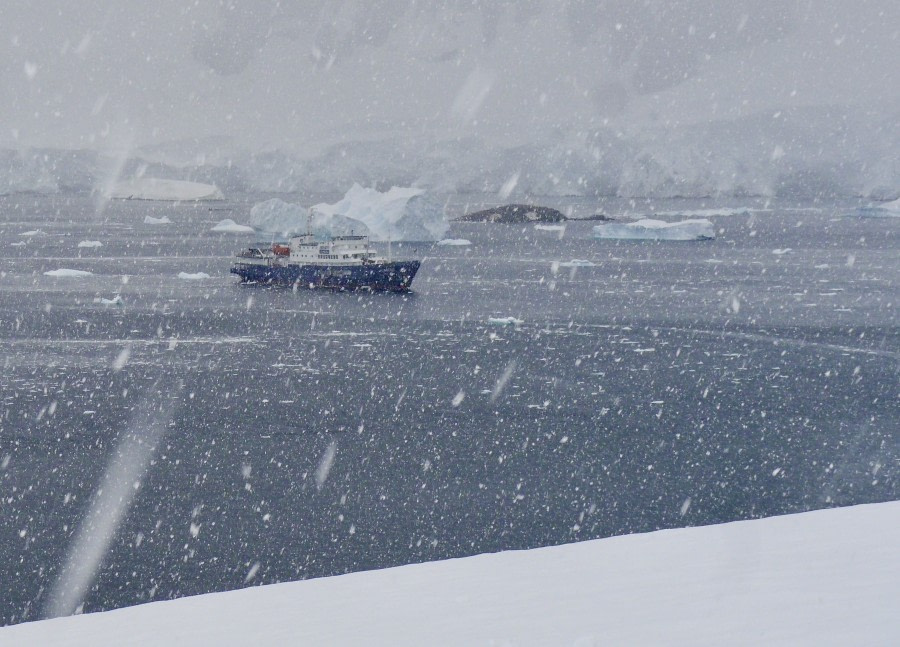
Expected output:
(312, 433)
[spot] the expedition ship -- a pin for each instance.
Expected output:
(341, 263)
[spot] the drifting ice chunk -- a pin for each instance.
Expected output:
(231, 227)
(90, 243)
(577, 262)
(550, 227)
(399, 214)
(455, 242)
(193, 277)
(151, 188)
(32, 233)
(115, 301)
(647, 229)
(150, 220)
(504, 321)
(68, 273)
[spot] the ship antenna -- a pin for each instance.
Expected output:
(308, 218)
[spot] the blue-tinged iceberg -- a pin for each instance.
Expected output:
(399, 214)
(647, 229)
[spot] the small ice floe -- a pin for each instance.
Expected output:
(196, 276)
(876, 210)
(115, 301)
(150, 220)
(229, 226)
(781, 252)
(90, 243)
(455, 242)
(648, 229)
(504, 321)
(577, 262)
(550, 227)
(63, 272)
(21, 243)
(32, 233)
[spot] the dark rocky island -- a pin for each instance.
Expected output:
(523, 213)
(515, 213)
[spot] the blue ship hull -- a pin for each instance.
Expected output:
(391, 276)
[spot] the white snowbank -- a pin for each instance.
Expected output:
(150, 220)
(648, 229)
(196, 276)
(820, 578)
(90, 243)
(230, 226)
(63, 272)
(151, 188)
(577, 262)
(504, 321)
(398, 214)
(455, 242)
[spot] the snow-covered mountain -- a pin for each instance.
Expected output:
(656, 98)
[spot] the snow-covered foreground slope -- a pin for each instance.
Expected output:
(830, 577)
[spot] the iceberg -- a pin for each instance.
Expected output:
(66, 273)
(454, 242)
(648, 229)
(285, 219)
(151, 188)
(231, 227)
(399, 214)
(196, 276)
(150, 220)
(90, 243)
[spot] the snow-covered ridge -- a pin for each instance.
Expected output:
(758, 155)
(830, 577)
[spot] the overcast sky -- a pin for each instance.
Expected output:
(296, 75)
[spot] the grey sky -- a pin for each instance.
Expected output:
(297, 75)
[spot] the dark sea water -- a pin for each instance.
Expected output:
(666, 385)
